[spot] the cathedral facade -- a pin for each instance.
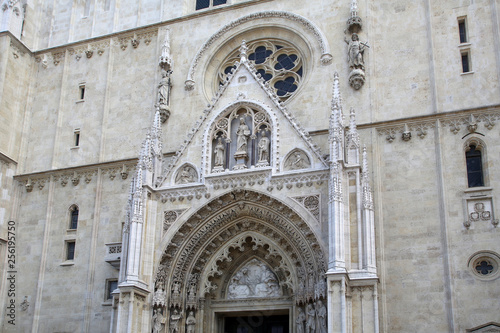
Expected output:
(249, 166)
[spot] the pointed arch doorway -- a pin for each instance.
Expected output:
(245, 262)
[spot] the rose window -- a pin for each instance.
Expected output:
(276, 61)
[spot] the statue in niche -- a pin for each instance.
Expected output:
(187, 175)
(190, 322)
(164, 89)
(299, 322)
(311, 319)
(219, 153)
(321, 316)
(355, 52)
(297, 161)
(158, 321)
(254, 280)
(263, 148)
(175, 317)
(242, 133)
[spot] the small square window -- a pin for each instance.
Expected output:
(466, 63)
(111, 285)
(70, 250)
(462, 30)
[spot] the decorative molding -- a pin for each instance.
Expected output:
(470, 121)
(405, 130)
(326, 57)
(170, 216)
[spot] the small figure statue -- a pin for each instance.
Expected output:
(219, 153)
(297, 161)
(243, 132)
(321, 316)
(263, 147)
(311, 319)
(158, 321)
(190, 323)
(164, 89)
(301, 318)
(175, 317)
(355, 53)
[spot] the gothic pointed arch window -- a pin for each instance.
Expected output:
(278, 63)
(73, 221)
(474, 157)
(241, 139)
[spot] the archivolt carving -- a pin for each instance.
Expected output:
(230, 223)
(326, 57)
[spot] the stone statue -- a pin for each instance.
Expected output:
(175, 317)
(158, 321)
(299, 322)
(164, 89)
(355, 53)
(321, 316)
(255, 279)
(263, 147)
(190, 323)
(311, 319)
(242, 133)
(219, 153)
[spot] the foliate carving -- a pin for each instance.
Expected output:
(325, 58)
(471, 122)
(170, 216)
(405, 130)
(311, 203)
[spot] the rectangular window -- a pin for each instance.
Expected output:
(201, 4)
(77, 138)
(111, 285)
(70, 250)
(82, 92)
(462, 30)
(466, 65)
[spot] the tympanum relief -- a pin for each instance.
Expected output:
(297, 160)
(186, 174)
(255, 279)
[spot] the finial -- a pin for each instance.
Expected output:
(352, 120)
(243, 50)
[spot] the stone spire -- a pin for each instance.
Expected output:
(352, 144)
(336, 129)
(365, 183)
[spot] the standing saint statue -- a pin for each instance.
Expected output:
(242, 133)
(190, 323)
(321, 316)
(175, 317)
(311, 319)
(158, 321)
(263, 147)
(164, 89)
(219, 153)
(355, 53)
(299, 322)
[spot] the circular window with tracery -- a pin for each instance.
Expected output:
(276, 61)
(484, 265)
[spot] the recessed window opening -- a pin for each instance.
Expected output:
(70, 250)
(77, 138)
(201, 4)
(73, 224)
(474, 167)
(462, 30)
(466, 65)
(82, 92)
(111, 285)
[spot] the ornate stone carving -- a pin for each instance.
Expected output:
(297, 160)
(354, 23)
(255, 279)
(170, 216)
(187, 174)
(165, 61)
(405, 129)
(190, 323)
(479, 210)
(175, 318)
(158, 321)
(311, 203)
(300, 320)
(320, 38)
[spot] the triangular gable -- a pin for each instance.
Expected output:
(243, 86)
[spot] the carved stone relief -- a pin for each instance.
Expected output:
(186, 174)
(479, 211)
(170, 216)
(311, 203)
(297, 160)
(255, 279)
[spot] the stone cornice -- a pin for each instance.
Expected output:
(16, 42)
(6, 159)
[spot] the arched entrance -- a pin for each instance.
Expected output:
(245, 262)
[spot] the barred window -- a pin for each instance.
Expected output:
(202, 4)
